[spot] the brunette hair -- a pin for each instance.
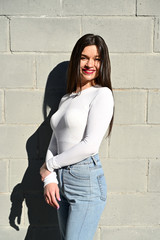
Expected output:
(104, 77)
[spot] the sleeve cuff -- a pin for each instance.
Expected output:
(51, 162)
(51, 178)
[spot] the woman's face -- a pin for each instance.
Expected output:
(89, 64)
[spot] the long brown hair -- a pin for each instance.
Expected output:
(104, 77)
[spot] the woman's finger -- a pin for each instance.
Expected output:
(53, 200)
(57, 194)
(48, 201)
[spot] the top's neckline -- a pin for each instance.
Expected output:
(84, 90)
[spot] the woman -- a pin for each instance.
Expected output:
(83, 117)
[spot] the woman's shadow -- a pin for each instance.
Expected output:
(43, 223)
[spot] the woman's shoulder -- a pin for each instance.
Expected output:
(103, 95)
(103, 91)
(63, 99)
(65, 96)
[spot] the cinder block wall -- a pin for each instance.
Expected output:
(37, 35)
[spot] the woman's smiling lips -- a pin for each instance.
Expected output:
(88, 71)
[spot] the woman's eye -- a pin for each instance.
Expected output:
(97, 59)
(83, 58)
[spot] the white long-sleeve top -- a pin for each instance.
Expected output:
(79, 126)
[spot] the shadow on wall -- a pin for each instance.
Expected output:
(42, 217)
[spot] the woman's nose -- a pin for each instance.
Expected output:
(90, 63)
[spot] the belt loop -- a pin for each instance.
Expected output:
(94, 160)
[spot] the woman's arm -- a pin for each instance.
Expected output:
(51, 190)
(46, 175)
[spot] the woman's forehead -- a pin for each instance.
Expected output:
(91, 49)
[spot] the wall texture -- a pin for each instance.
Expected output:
(35, 36)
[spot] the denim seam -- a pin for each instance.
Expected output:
(100, 187)
(86, 211)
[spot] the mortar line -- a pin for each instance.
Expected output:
(35, 74)
(78, 15)
(3, 120)
(115, 124)
(136, 8)
(135, 193)
(154, 35)
(18, 52)
(130, 226)
(24, 89)
(146, 112)
(4, 106)
(148, 175)
(81, 29)
(9, 33)
(20, 124)
(108, 143)
(99, 232)
(9, 174)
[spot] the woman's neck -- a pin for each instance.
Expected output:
(86, 85)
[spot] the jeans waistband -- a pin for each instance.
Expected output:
(91, 159)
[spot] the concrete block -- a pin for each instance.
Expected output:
(44, 34)
(11, 233)
(4, 209)
(4, 176)
(131, 233)
(26, 104)
(135, 142)
(154, 176)
(18, 71)
(132, 210)
(103, 150)
(130, 107)
(4, 33)
(13, 140)
(136, 35)
(121, 177)
(1, 106)
(157, 35)
(14, 177)
(148, 7)
(103, 7)
(46, 64)
(25, 7)
(135, 71)
(153, 107)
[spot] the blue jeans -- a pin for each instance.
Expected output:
(83, 194)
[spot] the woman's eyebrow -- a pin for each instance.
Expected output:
(84, 55)
(87, 56)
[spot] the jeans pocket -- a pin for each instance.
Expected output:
(81, 172)
(102, 187)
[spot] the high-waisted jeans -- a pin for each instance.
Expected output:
(83, 194)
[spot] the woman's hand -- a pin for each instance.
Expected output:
(44, 172)
(51, 194)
